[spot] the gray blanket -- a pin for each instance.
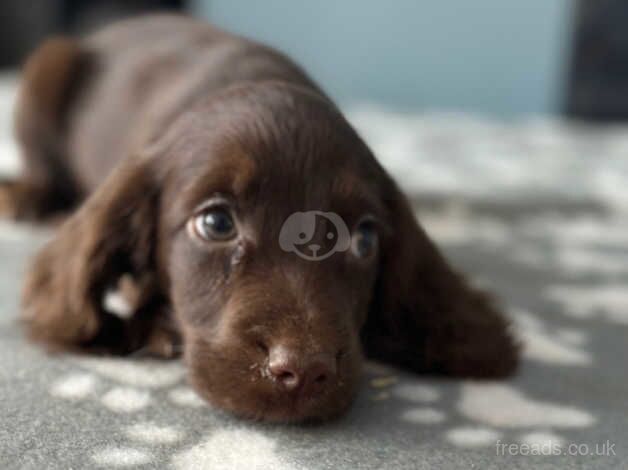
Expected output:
(532, 211)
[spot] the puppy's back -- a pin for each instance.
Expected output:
(136, 76)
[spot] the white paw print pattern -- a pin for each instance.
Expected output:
(134, 383)
(141, 433)
(496, 410)
(493, 411)
(233, 449)
(558, 346)
(607, 302)
(579, 246)
(483, 412)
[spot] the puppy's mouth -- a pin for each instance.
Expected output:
(305, 407)
(302, 398)
(275, 406)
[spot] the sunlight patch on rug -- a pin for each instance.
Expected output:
(185, 396)
(607, 302)
(149, 373)
(543, 345)
(151, 433)
(121, 457)
(232, 449)
(503, 406)
(126, 399)
(74, 386)
(471, 436)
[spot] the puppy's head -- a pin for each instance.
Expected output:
(270, 241)
(283, 248)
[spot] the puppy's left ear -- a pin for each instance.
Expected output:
(425, 316)
(113, 233)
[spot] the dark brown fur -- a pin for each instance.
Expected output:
(137, 125)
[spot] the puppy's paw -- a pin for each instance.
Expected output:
(53, 310)
(162, 343)
(25, 201)
(59, 329)
(20, 201)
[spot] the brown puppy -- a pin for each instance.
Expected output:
(262, 235)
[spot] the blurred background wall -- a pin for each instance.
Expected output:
(494, 57)
(490, 56)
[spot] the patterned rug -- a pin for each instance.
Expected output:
(533, 210)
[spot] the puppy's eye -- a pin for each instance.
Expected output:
(215, 224)
(364, 240)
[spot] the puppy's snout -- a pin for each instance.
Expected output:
(309, 374)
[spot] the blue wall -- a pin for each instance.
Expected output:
(503, 57)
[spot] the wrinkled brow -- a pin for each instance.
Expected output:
(229, 173)
(355, 193)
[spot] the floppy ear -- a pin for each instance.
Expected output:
(112, 233)
(425, 316)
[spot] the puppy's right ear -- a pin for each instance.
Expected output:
(112, 233)
(428, 318)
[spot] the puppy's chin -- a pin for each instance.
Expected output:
(313, 410)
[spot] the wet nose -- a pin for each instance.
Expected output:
(309, 374)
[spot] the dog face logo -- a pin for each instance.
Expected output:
(314, 235)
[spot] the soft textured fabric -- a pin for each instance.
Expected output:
(532, 211)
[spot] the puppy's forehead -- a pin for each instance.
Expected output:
(283, 147)
(229, 171)
(280, 181)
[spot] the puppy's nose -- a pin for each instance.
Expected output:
(308, 374)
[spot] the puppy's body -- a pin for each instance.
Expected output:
(122, 87)
(192, 148)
